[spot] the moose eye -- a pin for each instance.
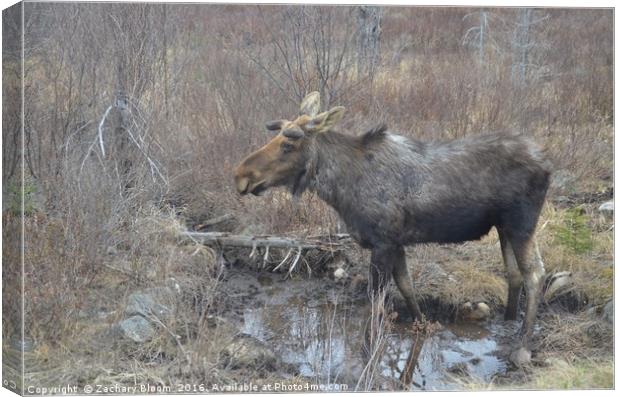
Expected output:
(287, 147)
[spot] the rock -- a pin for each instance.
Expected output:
(558, 284)
(339, 274)
(475, 311)
(137, 329)
(608, 312)
(607, 206)
(248, 352)
(521, 357)
(159, 302)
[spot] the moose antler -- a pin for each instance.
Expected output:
(311, 104)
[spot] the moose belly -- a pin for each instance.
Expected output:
(448, 225)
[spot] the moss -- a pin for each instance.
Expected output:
(574, 233)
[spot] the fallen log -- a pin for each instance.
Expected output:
(322, 243)
(327, 245)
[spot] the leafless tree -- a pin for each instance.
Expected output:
(368, 39)
(311, 50)
(523, 43)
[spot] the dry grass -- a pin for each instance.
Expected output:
(575, 336)
(85, 347)
(580, 374)
(559, 374)
(455, 274)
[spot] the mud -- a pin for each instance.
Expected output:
(316, 327)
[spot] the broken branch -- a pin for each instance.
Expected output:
(235, 240)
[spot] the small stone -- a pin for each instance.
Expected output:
(482, 310)
(607, 206)
(339, 274)
(475, 311)
(521, 357)
(137, 329)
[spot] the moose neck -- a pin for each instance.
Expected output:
(337, 166)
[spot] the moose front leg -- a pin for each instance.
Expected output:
(382, 263)
(405, 284)
(381, 266)
(387, 261)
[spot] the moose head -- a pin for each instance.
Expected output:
(285, 160)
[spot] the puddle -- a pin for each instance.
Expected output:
(315, 330)
(464, 351)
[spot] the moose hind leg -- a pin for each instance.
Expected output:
(515, 279)
(405, 285)
(533, 271)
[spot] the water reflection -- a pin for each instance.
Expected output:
(323, 341)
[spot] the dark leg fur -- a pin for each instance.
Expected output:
(533, 272)
(515, 279)
(404, 283)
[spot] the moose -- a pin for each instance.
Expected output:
(392, 191)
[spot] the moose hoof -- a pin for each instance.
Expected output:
(521, 357)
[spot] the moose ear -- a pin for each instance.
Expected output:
(293, 133)
(311, 104)
(275, 125)
(326, 120)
